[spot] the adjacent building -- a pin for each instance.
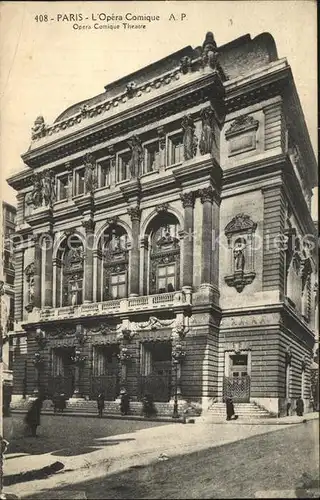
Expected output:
(164, 238)
(8, 215)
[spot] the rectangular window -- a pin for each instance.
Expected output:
(62, 185)
(123, 172)
(175, 149)
(166, 278)
(118, 286)
(152, 156)
(104, 173)
(79, 174)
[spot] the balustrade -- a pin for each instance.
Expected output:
(115, 306)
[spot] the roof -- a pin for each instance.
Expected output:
(236, 58)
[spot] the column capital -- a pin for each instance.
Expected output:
(162, 137)
(134, 213)
(88, 225)
(206, 194)
(188, 199)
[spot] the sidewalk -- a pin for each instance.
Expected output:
(145, 447)
(292, 419)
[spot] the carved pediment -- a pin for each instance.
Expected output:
(242, 124)
(239, 224)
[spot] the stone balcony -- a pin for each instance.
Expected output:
(172, 300)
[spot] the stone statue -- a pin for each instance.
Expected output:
(207, 133)
(31, 290)
(188, 137)
(238, 254)
(39, 128)
(49, 193)
(37, 191)
(209, 51)
(136, 156)
(89, 173)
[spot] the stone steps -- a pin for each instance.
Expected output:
(243, 410)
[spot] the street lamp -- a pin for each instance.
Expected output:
(178, 355)
(38, 362)
(78, 360)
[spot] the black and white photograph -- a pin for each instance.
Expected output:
(159, 250)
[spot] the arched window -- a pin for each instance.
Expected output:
(164, 255)
(115, 263)
(69, 272)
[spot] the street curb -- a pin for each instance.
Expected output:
(110, 416)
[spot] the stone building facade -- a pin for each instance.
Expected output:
(8, 215)
(164, 239)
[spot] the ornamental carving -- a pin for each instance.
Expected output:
(102, 329)
(134, 213)
(39, 128)
(188, 199)
(131, 89)
(185, 64)
(206, 194)
(90, 179)
(288, 355)
(113, 221)
(29, 273)
(162, 207)
(252, 320)
(37, 191)
(154, 324)
(209, 51)
(239, 281)
(207, 132)
(189, 139)
(136, 156)
(240, 223)
(162, 137)
(242, 124)
(88, 225)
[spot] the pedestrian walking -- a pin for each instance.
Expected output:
(32, 418)
(124, 402)
(300, 407)
(230, 409)
(100, 403)
(62, 402)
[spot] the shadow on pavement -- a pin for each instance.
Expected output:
(31, 475)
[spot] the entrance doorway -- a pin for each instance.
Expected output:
(106, 372)
(237, 380)
(62, 378)
(156, 373)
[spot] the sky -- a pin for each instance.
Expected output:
(47, 66)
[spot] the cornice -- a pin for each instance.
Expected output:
(193, 91)
(264, 83)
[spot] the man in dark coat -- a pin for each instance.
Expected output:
(32, 418)
(100, 403)
(230, 409)
(124, 402)
(300, 407)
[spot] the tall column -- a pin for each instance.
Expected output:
(206, 196)
(188, 205)
(135, 214)
(88, 270)
(37, 269)
(48, 270)
(162, 149)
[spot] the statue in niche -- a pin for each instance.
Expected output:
(238, 255)
(188, 137)
(38, 129)
(136, 156)
(207, 133)
(48, 188)
(89, 173)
